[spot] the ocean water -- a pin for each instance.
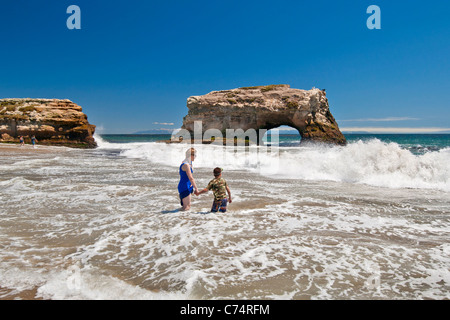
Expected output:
(370, 220)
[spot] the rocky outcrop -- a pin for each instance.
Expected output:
(51, 121)
(266, 107)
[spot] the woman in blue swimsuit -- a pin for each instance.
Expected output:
(187, 185)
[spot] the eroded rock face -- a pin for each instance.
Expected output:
(51, 121)
(266, 107)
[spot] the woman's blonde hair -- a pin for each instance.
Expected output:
(190, 152)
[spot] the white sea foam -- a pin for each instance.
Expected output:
(78, 284)
(103, 224)
(370, 162)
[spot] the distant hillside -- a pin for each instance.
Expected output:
(155, 131)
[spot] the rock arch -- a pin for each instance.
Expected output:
(266, 107)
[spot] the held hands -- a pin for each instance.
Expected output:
(197, 193)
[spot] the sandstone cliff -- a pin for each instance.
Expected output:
(52, 121)
(266, 107)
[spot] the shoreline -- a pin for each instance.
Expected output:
(74, 145)
(17, 148)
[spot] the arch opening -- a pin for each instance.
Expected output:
(283, 136)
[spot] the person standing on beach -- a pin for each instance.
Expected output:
(187, 185)
(22, 141)
(33, 141)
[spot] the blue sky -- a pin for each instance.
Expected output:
(133, 64)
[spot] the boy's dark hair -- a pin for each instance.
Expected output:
(217, 172)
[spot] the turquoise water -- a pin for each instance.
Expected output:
(130, 138)
(416, 143)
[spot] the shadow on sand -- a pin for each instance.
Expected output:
(171, 211)
(179, 211)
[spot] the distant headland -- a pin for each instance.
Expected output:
(52, 121)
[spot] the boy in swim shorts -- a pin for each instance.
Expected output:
(220, 189)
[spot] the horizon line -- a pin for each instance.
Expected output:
(395, 130)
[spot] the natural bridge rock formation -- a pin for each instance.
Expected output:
(52, 121)
(266, 107)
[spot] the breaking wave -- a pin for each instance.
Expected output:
(371, 162)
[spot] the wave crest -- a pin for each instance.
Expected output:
(371, 162)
